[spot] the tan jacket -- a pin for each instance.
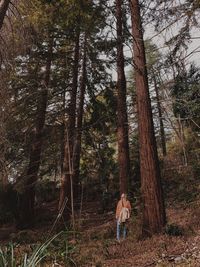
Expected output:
(120, 206)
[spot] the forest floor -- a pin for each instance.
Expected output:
(98, 246)
(94, 242)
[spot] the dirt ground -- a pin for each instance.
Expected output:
(99, 247)
(96, 245)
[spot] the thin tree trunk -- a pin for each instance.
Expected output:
(62, 142)
(27, 197)
(65, 190)
(77, 148)
(3, 139)
(153, 204)
(4, 4)
(162, 130)
(182, 140)
(122, 120)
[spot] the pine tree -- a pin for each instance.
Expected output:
(153, 204)
(122, 124)
(80, 112)
(66, 191)
(27, 197)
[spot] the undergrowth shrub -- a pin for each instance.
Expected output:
(61, 247)
(10, 258)
(46, 191)
(53, 248)
(8, 204)
(180, 185)
(173, 230)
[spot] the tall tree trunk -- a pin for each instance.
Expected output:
(122, 120)
(66, 192)
(4, 4)
(162, 129)
(77, 145)
(27, 197)
(153, 204)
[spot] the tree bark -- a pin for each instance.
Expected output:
(27, 196)
(162, 129)
(154, 217)
(77, 147)
(66, 192)
(122, 120)
(4, 4)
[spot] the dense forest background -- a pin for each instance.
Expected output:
(99, 98)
